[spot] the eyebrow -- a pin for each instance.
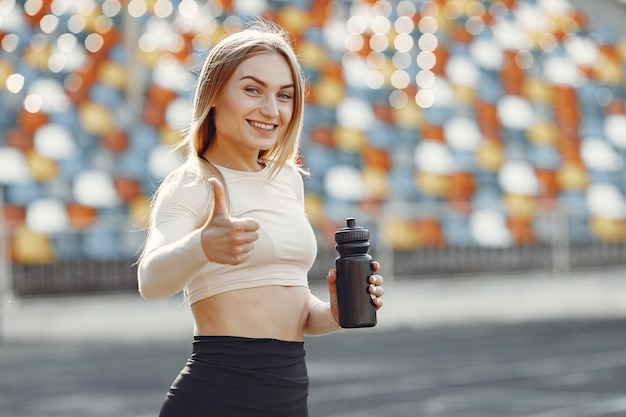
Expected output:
(263, 83)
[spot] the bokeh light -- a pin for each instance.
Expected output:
(518, 177)
(47, 215)
(344, 182)
(606, 200)
(488, 228)
(95, 188)
(55, 141)
(13, 169)
(15, 83)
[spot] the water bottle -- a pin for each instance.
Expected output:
(354, 267)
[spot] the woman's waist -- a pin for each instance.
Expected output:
(268, 312)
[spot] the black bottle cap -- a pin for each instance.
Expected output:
(351, 232)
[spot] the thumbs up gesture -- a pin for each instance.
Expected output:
(225, 239)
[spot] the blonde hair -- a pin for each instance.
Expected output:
(259, 37)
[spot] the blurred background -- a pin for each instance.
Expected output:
(467, 135)
(482, 142)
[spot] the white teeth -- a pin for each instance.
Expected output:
(262, 125)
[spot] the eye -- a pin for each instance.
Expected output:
(285, 96)
(252, 90)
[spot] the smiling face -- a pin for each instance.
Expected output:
(252, 109)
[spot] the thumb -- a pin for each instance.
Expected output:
(219, 199)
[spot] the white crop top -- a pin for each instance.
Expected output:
(174, 260)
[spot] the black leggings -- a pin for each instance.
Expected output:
(240, 377)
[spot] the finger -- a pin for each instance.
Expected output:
(376, 279)
(375, 266)
(377, 291)
(219, 198)
(246, 224)
(331, 278)
(240, 258)
(241, 253)
(244, 249)
(246, 238)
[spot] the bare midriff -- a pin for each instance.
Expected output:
(274, 312)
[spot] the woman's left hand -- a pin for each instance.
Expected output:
(376, 286)
(375, 289)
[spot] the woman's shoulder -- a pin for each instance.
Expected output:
(292, 175)
(291, 170)
(186, 185)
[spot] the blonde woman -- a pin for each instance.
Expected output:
(229, 230)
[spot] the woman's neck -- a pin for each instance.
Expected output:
(251, 164)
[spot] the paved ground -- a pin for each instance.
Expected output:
(531, 346)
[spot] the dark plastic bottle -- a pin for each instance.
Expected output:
(354, 267)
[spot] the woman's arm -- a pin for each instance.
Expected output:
(321, 320)
(173, 252)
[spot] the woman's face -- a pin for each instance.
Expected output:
(254, 107)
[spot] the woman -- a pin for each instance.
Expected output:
(228, 228)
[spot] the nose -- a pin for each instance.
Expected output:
(270, 106)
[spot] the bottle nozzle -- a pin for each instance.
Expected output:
(351, 233)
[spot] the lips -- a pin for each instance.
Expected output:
(263, 126)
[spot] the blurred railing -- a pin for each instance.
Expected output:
(85, 275)
(558, 256)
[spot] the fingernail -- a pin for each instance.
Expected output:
(372, 296)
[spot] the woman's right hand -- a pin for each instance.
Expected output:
(226, 239)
